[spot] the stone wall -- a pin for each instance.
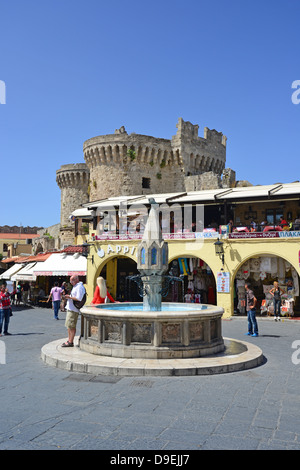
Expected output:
(132, 164)
(122, 164)
(73, 181)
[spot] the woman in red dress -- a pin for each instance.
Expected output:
(101, 293)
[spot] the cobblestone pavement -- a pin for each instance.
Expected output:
(47, 408)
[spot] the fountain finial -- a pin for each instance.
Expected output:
(152, 259)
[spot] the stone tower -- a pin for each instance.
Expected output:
(123, 164)
(130, 164)
(73, 181)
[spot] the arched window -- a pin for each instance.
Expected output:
(143, 256)
(154, 256)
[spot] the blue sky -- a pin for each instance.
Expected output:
(76, 69)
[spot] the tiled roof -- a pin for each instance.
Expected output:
(27, 259)
(18, 236)
(73, 249)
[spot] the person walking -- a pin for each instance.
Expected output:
(63, 299)
(25, 291)
(276, 292)
(77, 294)
(5, 309)
(56, 294)
(19, 293)
(251, 311)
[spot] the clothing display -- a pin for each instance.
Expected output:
(198, 281)
(261, 272)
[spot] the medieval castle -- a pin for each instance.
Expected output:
(123, 164)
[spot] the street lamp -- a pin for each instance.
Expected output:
(86, 250)
(219, 247)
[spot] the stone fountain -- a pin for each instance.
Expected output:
(153, 337)
(152, 329)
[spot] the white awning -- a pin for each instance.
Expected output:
(216, 196)
(11, 271)
(26, 273)
(62, 264)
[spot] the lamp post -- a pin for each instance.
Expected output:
(219, 247)
(86, 251)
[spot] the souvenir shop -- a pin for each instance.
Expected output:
(261, 272)
(198, 283)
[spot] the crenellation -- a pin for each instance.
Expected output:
(118, 164)
(73, 180)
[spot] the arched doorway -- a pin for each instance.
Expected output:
(261, 271)
(116, 272)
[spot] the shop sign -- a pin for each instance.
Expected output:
(118, 249)
(283, 234)
(294, 233)
(166, 236)
(223, 282)
(207, 234)
(254, 235)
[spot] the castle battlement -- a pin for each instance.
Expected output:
(123, 164)
(73, 180)
(129, 164)
(76, 174)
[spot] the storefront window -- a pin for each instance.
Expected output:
(273, 216)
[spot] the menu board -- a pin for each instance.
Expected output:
(223, 282)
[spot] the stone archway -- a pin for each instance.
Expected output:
(199, 280)
(115, 269)
(261, 271)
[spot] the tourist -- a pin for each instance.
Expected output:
(101, 294)
(251, 311)
(263, 224)
(63, 298)
(77, 294)
(283, 223)
(5, 309)
(253, 226)
(276, 292)
(56, 294)
(19, 294)
(25, 290)
(297, 223)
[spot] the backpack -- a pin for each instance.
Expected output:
(80, 303)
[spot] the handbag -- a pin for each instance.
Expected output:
(80, 303)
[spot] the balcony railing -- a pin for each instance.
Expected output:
(268, 232)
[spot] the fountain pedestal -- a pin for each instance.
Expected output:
(151, 329)
(177, 331)
(152, 287)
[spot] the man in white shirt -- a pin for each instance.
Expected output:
(77, 293)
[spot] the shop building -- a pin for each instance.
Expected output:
(39, 273)
(217, 239)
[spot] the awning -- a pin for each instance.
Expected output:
(11, 271)
(62, 264)
(26, 273)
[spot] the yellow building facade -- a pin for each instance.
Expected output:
(105, 254)
(260, 256)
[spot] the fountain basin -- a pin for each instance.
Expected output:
(176, 331)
